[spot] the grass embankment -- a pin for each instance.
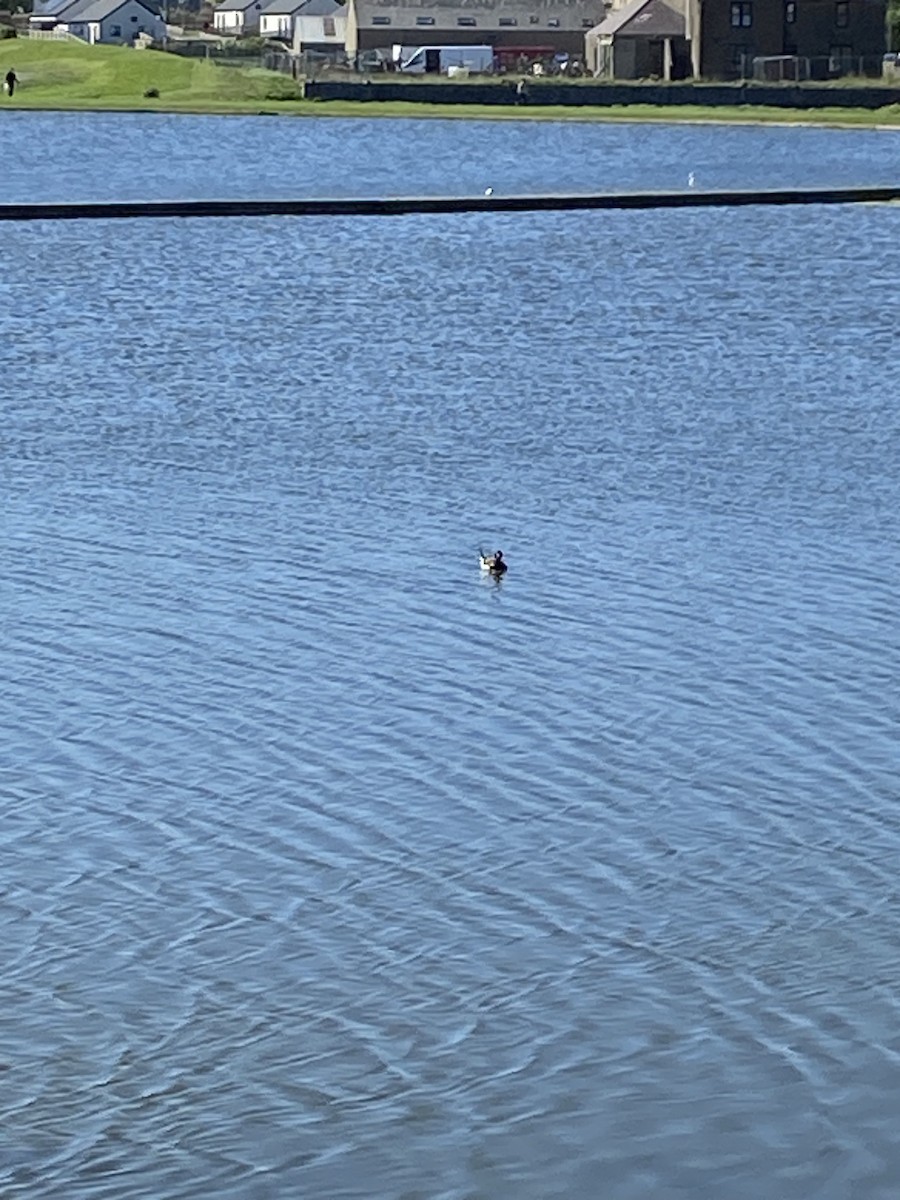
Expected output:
(72, 75)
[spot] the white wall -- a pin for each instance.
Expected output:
(230, 20)
(275, 25)
(311, 31)
(80, 29)
(244, 21)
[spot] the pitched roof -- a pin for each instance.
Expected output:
(238, 5)
(47, 8)
(644, 18)
(300, 8)
(97, 10)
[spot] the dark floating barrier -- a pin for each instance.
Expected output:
(405, 205)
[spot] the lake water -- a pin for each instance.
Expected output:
(330, 867)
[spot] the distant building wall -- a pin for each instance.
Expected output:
(736, 31)
(275, 25)
(733, 32)
(322, 33)
(229, 21)
(819, 27)
(234, 20)
(553, 26)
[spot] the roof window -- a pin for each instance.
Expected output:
(379, 20)
(466, 21)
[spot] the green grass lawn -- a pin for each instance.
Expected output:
(69, 74)
(73, 75)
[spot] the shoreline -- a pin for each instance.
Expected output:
(59, 76)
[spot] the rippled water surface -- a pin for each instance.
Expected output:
(138, 156)
(331, 868)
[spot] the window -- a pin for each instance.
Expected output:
(466, 21)
(116, 31)
(741, 14)
(381, 20)
(553, 22)
(842, 14)
(790, 12)
(134, 19)
(424, 20)
(508, 21)
(534, 20)
(328, 26)
(587, 23)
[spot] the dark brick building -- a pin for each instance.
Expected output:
(732, 39)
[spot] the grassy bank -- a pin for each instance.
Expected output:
(70, 75)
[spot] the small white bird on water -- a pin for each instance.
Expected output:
(489, 191)
(690, 179)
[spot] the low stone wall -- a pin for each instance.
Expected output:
(600, 95)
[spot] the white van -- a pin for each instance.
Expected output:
(443, 60)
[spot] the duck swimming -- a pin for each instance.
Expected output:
(493, 562)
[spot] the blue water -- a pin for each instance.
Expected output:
(93, 156)
(330, 867)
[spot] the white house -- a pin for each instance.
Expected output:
(44, 13)
(238, 17)
(112, 22)
(325, 34)
(278, 18)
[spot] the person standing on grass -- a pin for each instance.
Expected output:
(11, 81)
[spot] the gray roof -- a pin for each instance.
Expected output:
(238, 5)
(300, 8)
(644, 18)
(486, 14)
(97, 10)
(48, 8)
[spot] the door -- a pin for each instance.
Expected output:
(656, 54)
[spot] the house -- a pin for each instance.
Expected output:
(44, 13)
(238, 17)
(639, 40)
(278, 17)
(111, 22)
(515, 28)
(321, 34)
(730, 39)
(831, 37)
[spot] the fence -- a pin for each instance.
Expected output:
(52, 35)
(793, 68)
(309, 64)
